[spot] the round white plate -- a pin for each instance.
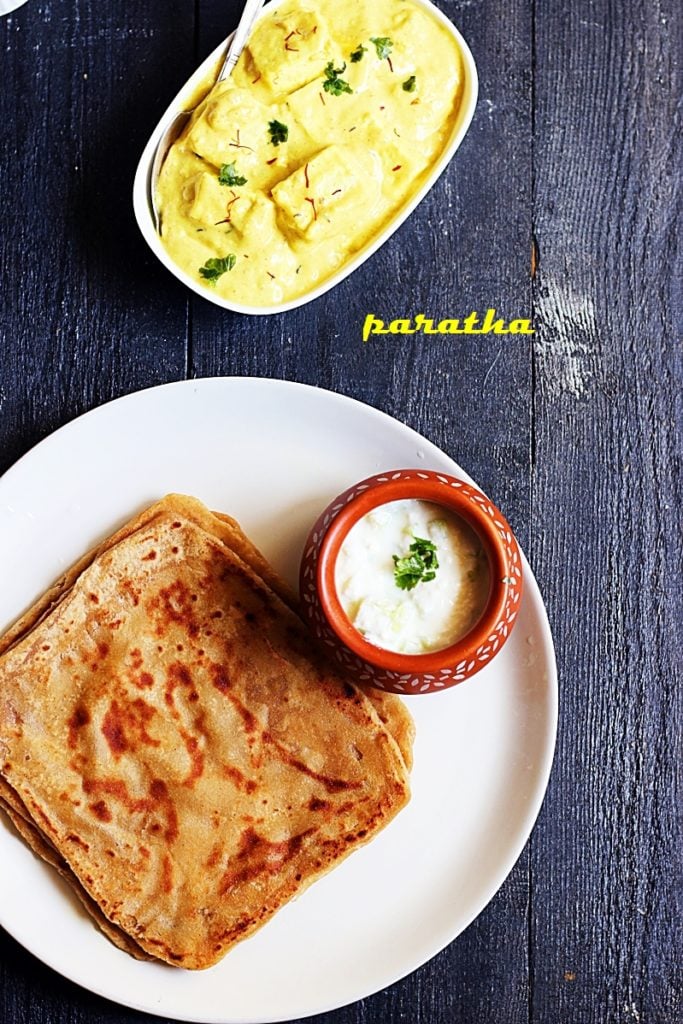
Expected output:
(7, 6)
(272, 454)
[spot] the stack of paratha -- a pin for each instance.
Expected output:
(173, 744)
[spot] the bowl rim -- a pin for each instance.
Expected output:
(145, 218)
(427, 486)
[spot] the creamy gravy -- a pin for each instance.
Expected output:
(282, 174)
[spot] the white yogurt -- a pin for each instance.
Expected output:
(433, 614)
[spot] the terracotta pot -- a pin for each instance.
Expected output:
(389, 670)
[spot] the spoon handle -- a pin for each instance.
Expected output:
(240, 37)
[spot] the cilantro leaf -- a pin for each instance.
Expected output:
(358, 53)
(216, 266)
(279, 132)
(228, 175)
(333, 83)
(383, 45)
(418, 566)
(409, 84)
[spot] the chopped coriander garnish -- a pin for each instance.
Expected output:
(333, 83)
(216, 266)
(358, 53)
(418, 566)
(228, 175)
(279, 132)
(383, 45)
(409, 84)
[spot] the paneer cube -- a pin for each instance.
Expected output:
(232, 126)
(292, 50)
(330, 193)
(207, 199)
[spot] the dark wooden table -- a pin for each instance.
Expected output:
(560, 206)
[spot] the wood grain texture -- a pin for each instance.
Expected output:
(606, 857)
(574, 434)
(87, 313)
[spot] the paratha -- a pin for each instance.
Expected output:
(40, 845)
(389, 707)
(173, 741)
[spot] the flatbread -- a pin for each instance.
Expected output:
(37, 842)
(165, 707)
(389, 706)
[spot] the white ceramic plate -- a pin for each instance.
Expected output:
(141, 186)
(273, 453)
(7, 6)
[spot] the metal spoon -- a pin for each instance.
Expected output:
(175, 126)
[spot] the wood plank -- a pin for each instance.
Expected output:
(87, 313)
(606, 901)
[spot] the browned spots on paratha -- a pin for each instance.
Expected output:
(196, 758)
(221, 681)
(174, 604)
(116, 788)
(220, 678)
(238, 777)
(177, 675)
(143, 680)
(159, 799)
(215, 856)
(316, 804)
(45, 821)
(125, 726)
(101, 810)
(73, 838)
(159, 792)
(248, 720)
(332, 785)
(131, 592)
(167, 875)
(165, 951)
(257, 856)
(113, 732)
(79, 719)
(44, 849)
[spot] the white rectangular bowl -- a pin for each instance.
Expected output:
(142, 194)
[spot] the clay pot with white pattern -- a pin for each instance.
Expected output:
(363, 661)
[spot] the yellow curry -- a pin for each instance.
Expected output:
(331, 120)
